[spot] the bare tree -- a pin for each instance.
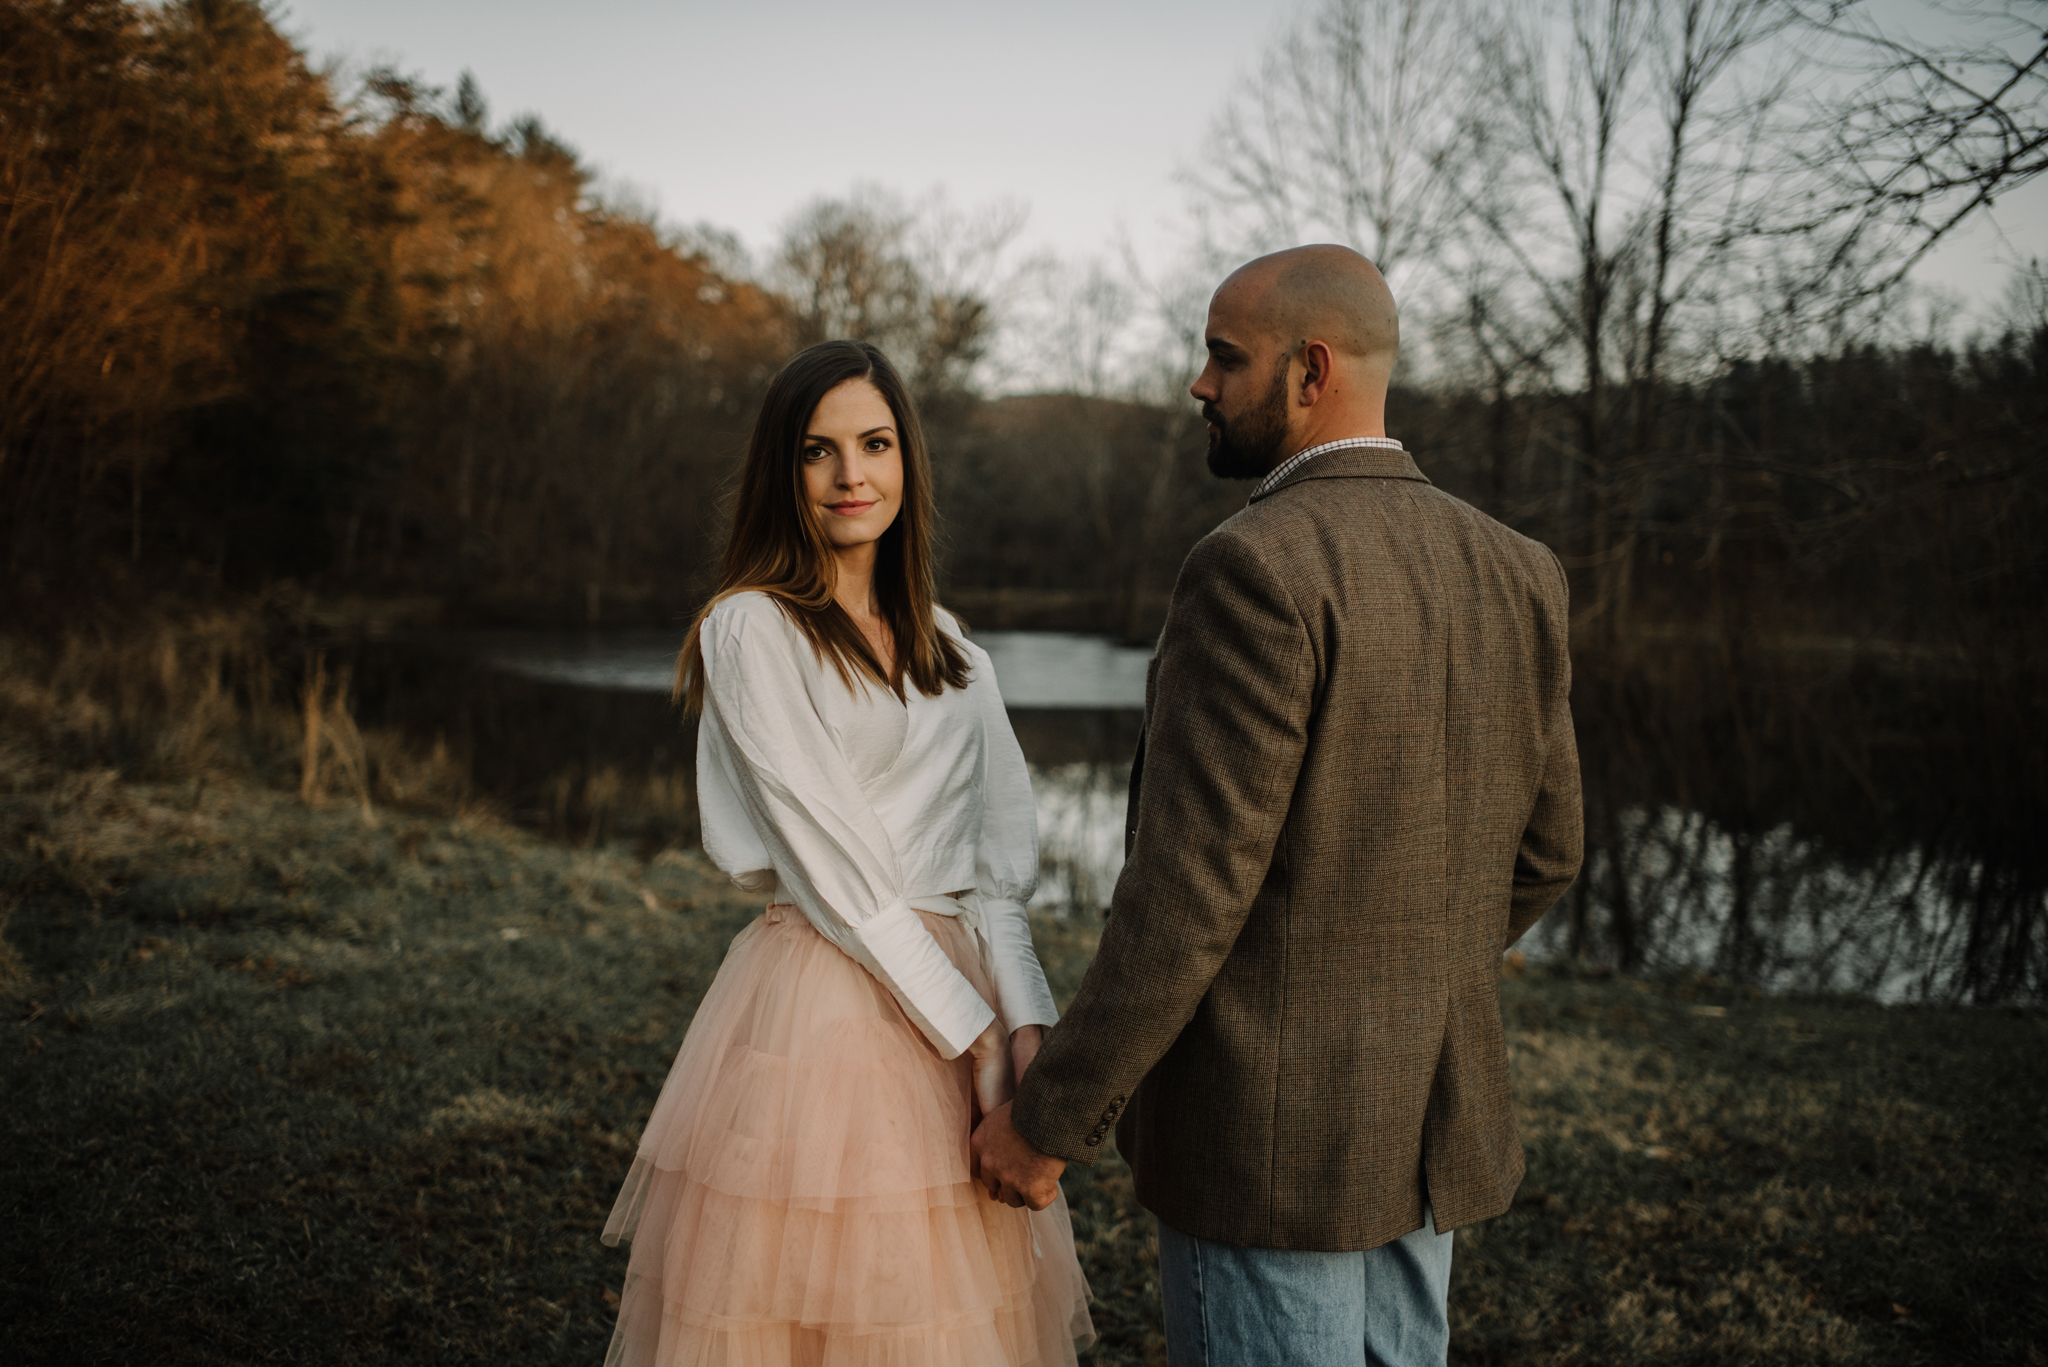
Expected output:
(1073, 329)
(1355, 129)
(1636, 182)
(920, 282)
(1938, 126)
(2024, 310)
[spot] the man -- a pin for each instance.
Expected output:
(1357, 786)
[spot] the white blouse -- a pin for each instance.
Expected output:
(865, 809)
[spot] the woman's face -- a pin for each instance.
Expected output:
(852, 464)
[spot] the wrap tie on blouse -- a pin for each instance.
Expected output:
(966, 905)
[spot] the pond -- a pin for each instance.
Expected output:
(573, 733)
(1056, 670)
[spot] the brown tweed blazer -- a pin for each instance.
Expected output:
(1358, 784)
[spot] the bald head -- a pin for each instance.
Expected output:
(1322, 293)
(1301, 351)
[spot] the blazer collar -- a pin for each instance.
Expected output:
(1356, 462)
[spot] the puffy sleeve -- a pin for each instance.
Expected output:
(1006, 860)
(821, 833)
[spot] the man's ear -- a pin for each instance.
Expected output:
(1317, 371)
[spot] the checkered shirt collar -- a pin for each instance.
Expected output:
(1301, 458)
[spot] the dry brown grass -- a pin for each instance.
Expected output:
(1718, 1176)
(200, 697)
(287, 1086)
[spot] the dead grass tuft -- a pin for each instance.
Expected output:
(199, 699)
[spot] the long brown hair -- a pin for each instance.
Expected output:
(778, 544)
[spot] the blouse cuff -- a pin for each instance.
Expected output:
(933, 993)
(1019, 978)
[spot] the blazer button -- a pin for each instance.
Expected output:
(1092, 1140)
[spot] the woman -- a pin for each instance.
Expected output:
(802, 1192)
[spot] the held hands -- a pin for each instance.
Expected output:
(1005, 1162)
(1011, 1167)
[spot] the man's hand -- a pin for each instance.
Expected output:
(1011, 1167)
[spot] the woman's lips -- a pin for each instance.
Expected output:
(850, 509)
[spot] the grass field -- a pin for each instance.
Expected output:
(292, 1083)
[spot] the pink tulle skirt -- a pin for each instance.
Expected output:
(802, 1197)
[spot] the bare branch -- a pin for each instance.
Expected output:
(1936, 130)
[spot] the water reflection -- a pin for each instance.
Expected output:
(1036, 669)
(1080, 833)
(627, 661)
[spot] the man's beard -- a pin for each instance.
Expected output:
(1250, 447)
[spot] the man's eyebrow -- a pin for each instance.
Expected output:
(1216, 344)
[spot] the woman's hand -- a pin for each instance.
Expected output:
(990, 1053)
(1024, 1048)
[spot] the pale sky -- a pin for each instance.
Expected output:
(737, 114)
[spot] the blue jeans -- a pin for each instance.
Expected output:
(1229, 1306)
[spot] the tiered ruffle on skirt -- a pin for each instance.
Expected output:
(802, 1196)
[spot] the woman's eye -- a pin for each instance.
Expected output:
(815, 453)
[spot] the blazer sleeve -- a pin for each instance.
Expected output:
(827, 844)
(1554, 837)
(1006, 863)
(1224, 742)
